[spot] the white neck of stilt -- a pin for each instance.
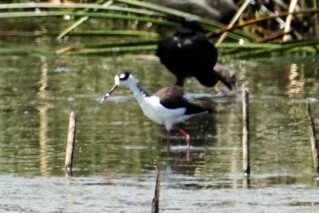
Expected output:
(147, 104)
(138, 92)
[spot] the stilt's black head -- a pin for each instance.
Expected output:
(124, 75)
(123, 79)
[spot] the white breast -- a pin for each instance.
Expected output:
(156, 112)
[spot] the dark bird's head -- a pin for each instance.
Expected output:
(226, 76)
(191, 24)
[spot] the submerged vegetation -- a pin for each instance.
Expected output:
(256, 29)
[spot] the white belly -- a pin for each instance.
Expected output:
(151, 113)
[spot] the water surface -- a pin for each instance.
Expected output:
(116, 145)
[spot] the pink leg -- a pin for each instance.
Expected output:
(185, 136)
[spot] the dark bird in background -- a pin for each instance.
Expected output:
(188, 53)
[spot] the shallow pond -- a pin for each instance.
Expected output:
(116, 145)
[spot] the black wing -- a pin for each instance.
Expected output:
(172, 98)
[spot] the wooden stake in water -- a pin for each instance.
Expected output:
(246, 152)
(70, 145)
(155, 201)
(313, 138)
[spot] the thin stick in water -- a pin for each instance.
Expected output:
(70, 145)
(155, 201)
(313, 138)
(246, 151)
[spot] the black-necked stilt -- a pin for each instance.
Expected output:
(188, 53)
(167, 107)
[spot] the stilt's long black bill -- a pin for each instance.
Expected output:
(108, 94)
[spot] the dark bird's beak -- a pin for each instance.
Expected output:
(232, 87)
(108, 93)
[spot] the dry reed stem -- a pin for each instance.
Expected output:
(292, 7)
